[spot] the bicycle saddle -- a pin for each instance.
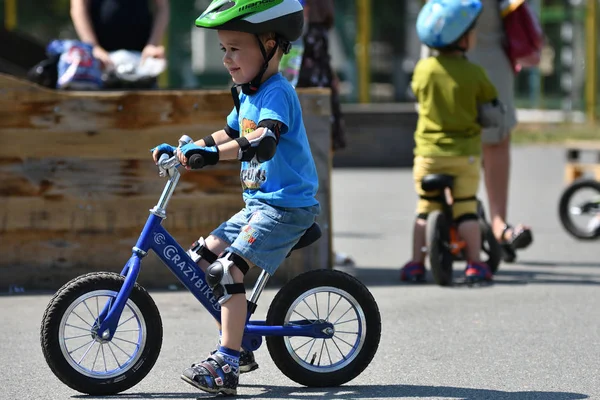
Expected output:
(311, 235)
(436, 182)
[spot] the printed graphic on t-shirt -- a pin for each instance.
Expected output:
(248, 126)
(252, 177)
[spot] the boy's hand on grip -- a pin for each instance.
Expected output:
(164, 148)
(210, 155)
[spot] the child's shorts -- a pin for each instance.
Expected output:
(264, 234)
(465, 171)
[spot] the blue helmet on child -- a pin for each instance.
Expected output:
(442, 22)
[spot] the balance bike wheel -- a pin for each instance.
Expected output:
(79, 356)
(331, 296)
(565, 214)
(438, 245)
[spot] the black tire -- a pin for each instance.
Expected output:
(509, 255)
(306, 373)
(100, 283)
(490, 246)
(563, 209)
(438, 239)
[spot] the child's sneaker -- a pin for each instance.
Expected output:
(213, 375)
(413, 272)
(478, 271)
(247, 362)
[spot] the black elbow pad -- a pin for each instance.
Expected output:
(262, 147)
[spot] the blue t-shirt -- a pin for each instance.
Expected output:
(289, 179)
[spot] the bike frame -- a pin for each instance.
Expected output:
(155, 237)
(456, 245)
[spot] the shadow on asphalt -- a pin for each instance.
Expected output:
(506, 275)
(371, 276)
(560, 264)
(362, 392)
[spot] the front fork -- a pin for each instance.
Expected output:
(108, 319)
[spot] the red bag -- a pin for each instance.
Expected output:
(523, 32)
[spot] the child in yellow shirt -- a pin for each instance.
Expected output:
(451, 92)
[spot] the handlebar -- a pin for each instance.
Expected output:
(196, 161)
(166, 163)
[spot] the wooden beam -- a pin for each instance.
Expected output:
(77, 180)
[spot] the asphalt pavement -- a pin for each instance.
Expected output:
(533, 334)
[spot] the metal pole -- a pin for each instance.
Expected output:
(566, 58)
(591, 53)
(363, 40)
(10, 14)
(535, 78)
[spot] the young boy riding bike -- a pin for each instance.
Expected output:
(455, 100)
(265, 131)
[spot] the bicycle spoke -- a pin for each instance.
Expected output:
(114, 356)
(311, 346)
(118, 347)
(302, 316)
(85, 354)
(339, 338)
(96, 358)
(349, 333)
(298, 348)
(104, 358)
(82, 346)
(350, 320)
(310, 308)
(127, 341)
(77, 327)
(328, 354)
(317, 305)
(77, 337)
(321, 353)
(90, 311)
(330, 312)
(342, 315)
(128, 319)
(129, 330)
(84, 321)
(338, 347)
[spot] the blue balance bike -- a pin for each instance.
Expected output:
(102, 333)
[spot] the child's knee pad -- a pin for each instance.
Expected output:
(219, 278)
(198, 251)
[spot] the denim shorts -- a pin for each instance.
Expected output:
(264, 234)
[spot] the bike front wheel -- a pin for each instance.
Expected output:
(580, 218)
(319, 296)
(79, 356)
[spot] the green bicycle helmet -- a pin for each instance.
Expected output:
(284, 18)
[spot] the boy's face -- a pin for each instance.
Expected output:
(242, 56)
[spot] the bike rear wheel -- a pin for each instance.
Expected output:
(335, 297)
